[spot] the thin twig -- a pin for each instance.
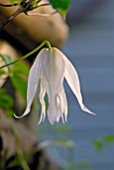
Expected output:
(8, 5)
(22, 8)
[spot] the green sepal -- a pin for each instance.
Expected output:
(61, 6)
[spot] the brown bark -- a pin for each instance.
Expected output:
(30, 30)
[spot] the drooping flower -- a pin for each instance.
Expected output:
(50, 67)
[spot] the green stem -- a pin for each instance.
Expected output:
(30, 53)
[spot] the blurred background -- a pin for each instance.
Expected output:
(85, 142)
(90, 47)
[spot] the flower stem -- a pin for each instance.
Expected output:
(29, 54)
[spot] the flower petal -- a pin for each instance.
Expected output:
(42, 101)
(54, 67)
(73, 81)
(63, 105)
(33, 79)
(52, 110)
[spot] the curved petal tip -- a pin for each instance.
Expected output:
(24, 114)
(18, 117)
(87, 110)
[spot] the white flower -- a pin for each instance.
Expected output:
(50, 68)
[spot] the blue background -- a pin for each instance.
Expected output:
(90, 47)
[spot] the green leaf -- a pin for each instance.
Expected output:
(109, 138)
(20, 84)
(15, 1)
(20, 68)
(7, 59)
(18, 78)
(6, 102)
(61, 5)
(2, 72)
(12, 1)
(98, 145)
(10, 112)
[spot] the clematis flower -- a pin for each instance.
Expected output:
(50, 67)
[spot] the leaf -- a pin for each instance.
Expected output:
(98, 145)
(109, 138)
(18, 75)
(2, 72)
(10, 112)
(12, 1)
(20, 68)
(18, 78)
(7, 59)
(15, 1)
(61, 5)
(6, 102)
(20, 84)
